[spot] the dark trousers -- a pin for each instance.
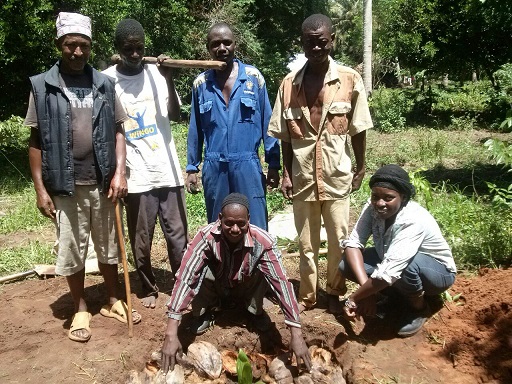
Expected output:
(142, 210)
(251, 292)
(422, 274)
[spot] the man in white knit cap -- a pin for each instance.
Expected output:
(77, 158)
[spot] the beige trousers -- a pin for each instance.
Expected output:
(86, 214)
(308, 219)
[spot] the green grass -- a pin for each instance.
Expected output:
(479, 233)
(427, 148)
(19, 259)
(20, 212)
(196, 212)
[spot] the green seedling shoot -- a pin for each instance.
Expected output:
(244, 369)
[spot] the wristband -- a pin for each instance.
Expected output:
(350, 304)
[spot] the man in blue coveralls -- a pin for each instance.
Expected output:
(230, 115)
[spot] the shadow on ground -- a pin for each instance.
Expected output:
(470, 180)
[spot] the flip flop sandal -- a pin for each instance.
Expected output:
(80, 321)
(119, 311)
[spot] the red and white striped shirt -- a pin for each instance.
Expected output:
(209, 248)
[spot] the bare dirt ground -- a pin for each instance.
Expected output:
(467, 341)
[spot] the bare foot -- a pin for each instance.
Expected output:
(149, 301)
(303, 308)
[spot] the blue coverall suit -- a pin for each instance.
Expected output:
(232, 135)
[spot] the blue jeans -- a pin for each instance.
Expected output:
(422, 274)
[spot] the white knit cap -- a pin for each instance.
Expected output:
(73, 23)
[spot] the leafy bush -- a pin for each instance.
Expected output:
(501, 152)
(13, 134)
(503, 78)
(463, 123)
(479, 234)
(389, 108)
(275, 202)
(472, 98)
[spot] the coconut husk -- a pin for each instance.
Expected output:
(229, 361)
(133, 378)
(280, 372)
(152, 367)
(259, 364)
(320, 359)
(206, 358)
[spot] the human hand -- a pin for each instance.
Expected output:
(367, 306)
(170, 349)
(273, 178)
(118, 187)
(287, 187)
(299, 348)
(357, 179)
(45, 205)
(191, 184)
(350, 310)
(166, 72)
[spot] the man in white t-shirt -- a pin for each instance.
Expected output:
(155, 181)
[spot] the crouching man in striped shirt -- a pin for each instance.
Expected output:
(231, 259)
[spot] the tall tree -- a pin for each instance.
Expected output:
(367, 51)
(445, 36)
(27, 33)
(347, 18)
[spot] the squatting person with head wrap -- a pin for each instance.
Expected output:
(231, 259)
(77, 158)
(409, 253)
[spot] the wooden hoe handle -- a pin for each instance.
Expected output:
(175, 63)
(125, 268)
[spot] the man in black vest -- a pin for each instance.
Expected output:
(77, 156)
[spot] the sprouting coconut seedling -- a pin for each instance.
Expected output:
(244, 369)
(448, 298)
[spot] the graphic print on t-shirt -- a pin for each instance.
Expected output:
(79, 97)
(78, 90)
(142, 130)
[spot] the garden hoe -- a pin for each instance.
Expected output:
(120, 237)
(175, 63)
(41, 270)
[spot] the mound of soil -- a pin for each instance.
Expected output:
(467, 341)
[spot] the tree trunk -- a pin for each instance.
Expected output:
(445, 80)
(367, 49)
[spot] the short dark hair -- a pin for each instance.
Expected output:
(127, 28)
(217, 26)
(316, 21)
